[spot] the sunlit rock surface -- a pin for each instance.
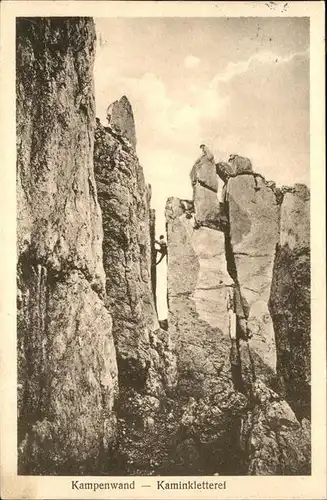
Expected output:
(233, 388)
(120, 117)
(205, 186)
(253, 215)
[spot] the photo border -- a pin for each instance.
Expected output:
(15, 486)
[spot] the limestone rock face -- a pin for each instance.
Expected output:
(290, 299)
(295, 218)
(198, 324)
(204, 172)
(66, 353)
(145, 353)
(253, 234)
(57, 192)
(285, 448)
(67, 372)
(204, 252)
(121, 119)
(205, 186)
(127, 255)
(228, 389)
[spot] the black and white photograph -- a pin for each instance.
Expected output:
(164, 258)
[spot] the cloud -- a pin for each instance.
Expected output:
(167, 170)
(159, 117)
(191, 61)
(170, 128)
(235, 69)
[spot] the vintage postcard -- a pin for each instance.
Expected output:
(163, 250)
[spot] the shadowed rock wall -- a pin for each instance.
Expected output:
(67, 371)
(290, 299)
(146, 361)
(127, 255)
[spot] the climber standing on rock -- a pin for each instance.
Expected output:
(206, 153)
(162, 250)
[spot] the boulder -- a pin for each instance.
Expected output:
(224, 170)
(204, 172)
(240, 164)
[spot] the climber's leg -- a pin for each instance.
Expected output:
(162, 256)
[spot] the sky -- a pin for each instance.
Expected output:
(239, 85)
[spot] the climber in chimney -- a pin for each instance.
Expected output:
(162, 250)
